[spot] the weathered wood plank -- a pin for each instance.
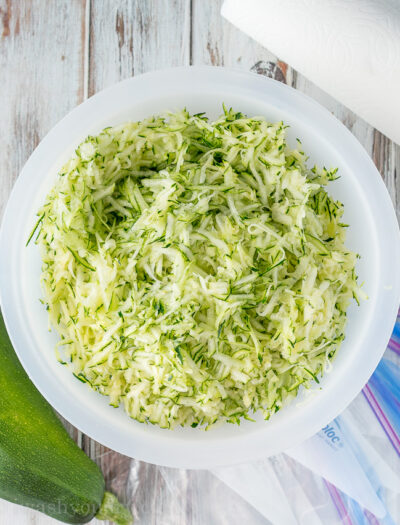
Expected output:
(217, 42)
(386, 156)
(42, 60)
(42, 57)
(128, 38)
(133, 37)
(394, 181)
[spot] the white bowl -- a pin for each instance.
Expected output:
(373, 233)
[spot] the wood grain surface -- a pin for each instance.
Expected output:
(53, 55)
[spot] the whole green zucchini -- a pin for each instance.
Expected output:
(40, 465)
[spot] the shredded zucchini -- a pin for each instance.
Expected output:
(196, 271)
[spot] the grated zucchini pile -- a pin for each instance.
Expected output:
(195, 271)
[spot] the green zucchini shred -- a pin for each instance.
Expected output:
(196, 270)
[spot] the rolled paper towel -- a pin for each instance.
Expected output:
(349, 48)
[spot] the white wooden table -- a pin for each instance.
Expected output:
(55, 54)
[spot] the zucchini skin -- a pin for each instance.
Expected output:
(40, 465)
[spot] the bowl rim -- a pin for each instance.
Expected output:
(252, 446)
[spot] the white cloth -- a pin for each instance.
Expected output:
(349, 48)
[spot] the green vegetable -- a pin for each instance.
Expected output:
(196, 271)
(40, 465)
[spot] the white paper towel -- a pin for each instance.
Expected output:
(350, 48)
